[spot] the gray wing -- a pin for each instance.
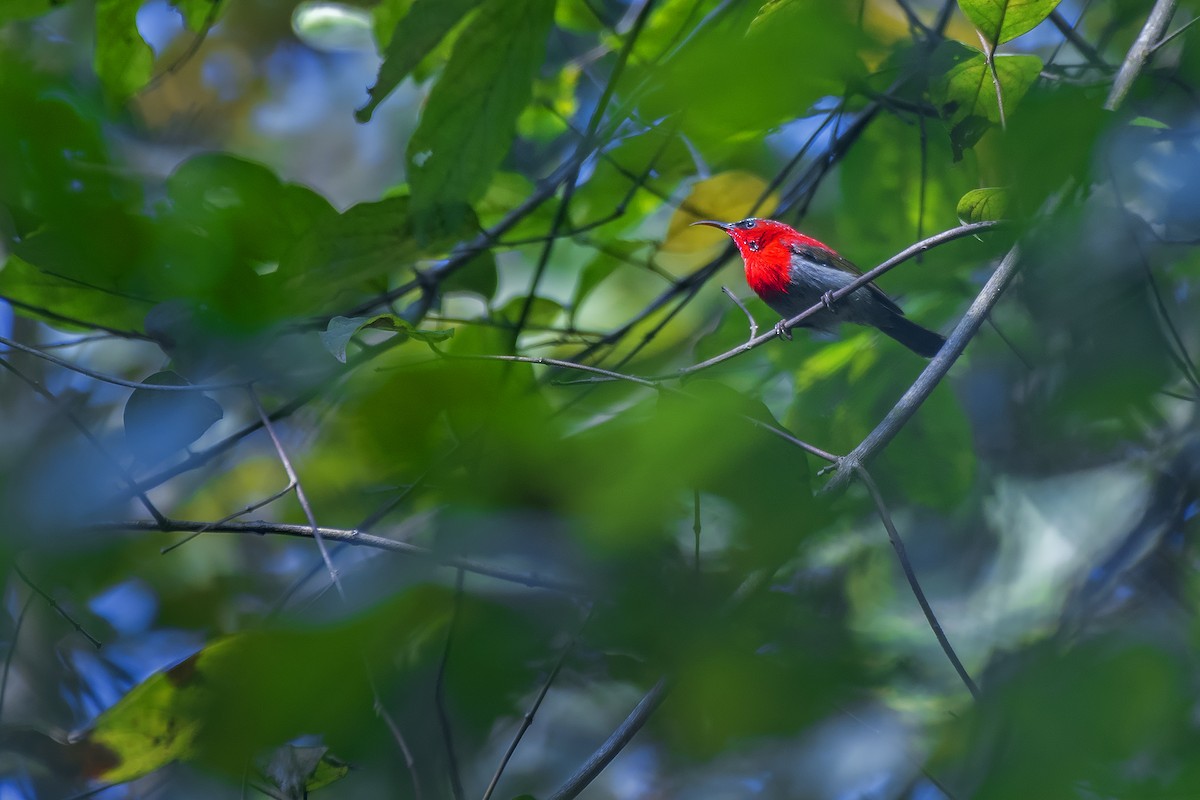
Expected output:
(833, 260)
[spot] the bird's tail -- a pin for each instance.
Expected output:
(921, 341)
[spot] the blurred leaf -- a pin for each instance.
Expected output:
(123, 60)
(222, 240)
(332, 27)
(11, 10)
(199, 13)
(543, 311)
(468, 121)
(341, 255)
(64, 302)
(341, 330)
(1052, 140)
(979, 205)
(814, 44)
(897, 199)
(1088, 711)
(1147, 122)
(299, 770)
(478, 276)
(1002, 20)
(554, 104)
(180, 714)
(158, 424)
(606, 260)
(426, 22)
(926, 460)
(725, 197)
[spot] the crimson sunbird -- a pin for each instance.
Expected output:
(792, 272)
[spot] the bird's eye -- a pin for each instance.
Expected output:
(748, 223)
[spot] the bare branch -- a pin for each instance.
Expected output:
(932, 375)
(351, 537)
(614, 744)
(294, 480)
(1141, 51)
(439, 691)
(746, 311)
(911, 576)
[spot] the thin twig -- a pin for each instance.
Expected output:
(1081, 44)
(252, 507)
(527, 720)
(746, 311)
(92, 439)
(1168, 39)
(51, 602)
(301, 496)
(352, 537)
(911, 576)
(439, 691)
(12, 650)
(113, 379)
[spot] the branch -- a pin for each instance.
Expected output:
(911, 576)
(1140, 52)
(351, 537)
(932, 374)
(614, 744)
(100, 376)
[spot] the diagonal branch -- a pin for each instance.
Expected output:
(932, 375)
(1141, 51)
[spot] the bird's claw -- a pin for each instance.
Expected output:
(782, 331)
(827, 301)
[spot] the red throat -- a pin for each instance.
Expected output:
(767, 251)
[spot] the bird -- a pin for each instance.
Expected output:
(792, 272)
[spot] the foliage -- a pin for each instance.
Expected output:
(366, 475)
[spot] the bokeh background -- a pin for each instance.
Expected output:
(273, 268)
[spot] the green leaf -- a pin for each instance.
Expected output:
(966, 95)
(123, 60)
(367, 242)
(979, 205)
(158, 424)
(64, 302)
(745, 74)
(471, 114)
(340, 330)
(1149, 122)
(415, 35)
(1002, 20)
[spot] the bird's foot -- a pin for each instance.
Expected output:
(782, 331)
(827, 301)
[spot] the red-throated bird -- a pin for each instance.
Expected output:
(792, 272)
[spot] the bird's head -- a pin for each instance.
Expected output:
(759, 239)
(767, 247)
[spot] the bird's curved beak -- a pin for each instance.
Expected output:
(725, 226)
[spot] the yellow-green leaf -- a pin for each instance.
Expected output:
(979, 205)
(123, 60)
(1002, 20)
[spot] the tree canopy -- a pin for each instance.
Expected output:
(377, 424)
